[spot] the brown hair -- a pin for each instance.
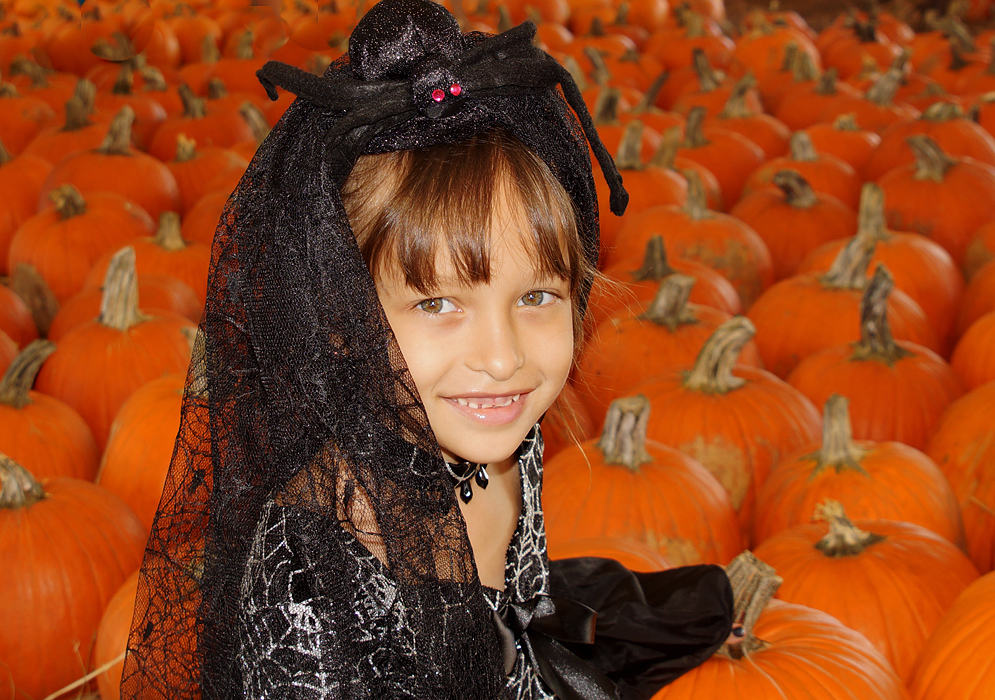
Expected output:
(403, 204)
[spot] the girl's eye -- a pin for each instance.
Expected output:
(536, 298)
(438, 305)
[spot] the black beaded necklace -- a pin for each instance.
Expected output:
(461, 474)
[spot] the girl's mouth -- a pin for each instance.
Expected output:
(490, 410)
(497, 402)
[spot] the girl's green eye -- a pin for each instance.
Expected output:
(534, 298)
(435, 306)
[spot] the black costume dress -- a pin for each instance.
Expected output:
(288, 637)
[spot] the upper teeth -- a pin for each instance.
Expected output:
(489, 403)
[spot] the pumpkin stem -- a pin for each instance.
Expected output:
(802, 148)
(694, 136)
(655, 265)
(216, 88)
(623, 440)
(504, 22)
(597, 27)
(736, 107)
(666, 152)
(243, 46)
(797, 192)
(118, 139)
(21, 373)
(601, 75)
(931, 162)
(694, 25)
(186, 148)
(846, 122)
(628, 156)
(648, 100)
(21, 65)
(712, 371)
(876, 341)
(125, 82)
(577, 73)
(119, 305)
(622, 17)
(838, 449)
(256, 120)
(707, 80)
(77, 115)
(942, 112)
(68, 201)
(849, 269)
(118, 49)
(168, 236)
(39, 297)
(606, 106)
(882, 92)
(9, 90)
(844, 539)
(18, 488)
(827, 82)
(790, 57)
(804, 70)
(870, 217)
(154, 79)
(696, 206)
(209, 51)
(754, 584)
(193, 107)
(5, 156)
(670, 305)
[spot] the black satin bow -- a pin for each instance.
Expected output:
(539, 626)
(503, 65)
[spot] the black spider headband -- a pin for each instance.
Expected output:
(419, 67)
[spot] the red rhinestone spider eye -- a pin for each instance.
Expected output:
(438, 95)
(455, 89)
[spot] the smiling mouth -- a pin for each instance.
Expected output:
(497, 402)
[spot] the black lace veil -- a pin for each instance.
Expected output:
(297, 392)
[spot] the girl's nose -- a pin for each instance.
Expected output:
(496, 348)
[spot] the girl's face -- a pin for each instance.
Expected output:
(487, 359)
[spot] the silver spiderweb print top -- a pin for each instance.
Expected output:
(289, 646)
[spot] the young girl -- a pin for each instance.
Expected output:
(396, 295)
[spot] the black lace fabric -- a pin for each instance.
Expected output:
(298, 400)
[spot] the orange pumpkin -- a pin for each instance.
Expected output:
(873, 480)
(63, 243)
(112, 637)
(890, 580)
(802, 105)
(632, 554)
(21, 179)
(748, 120)
(642, 343)
(116, 167)
(957, 656)
(979, 298)
(806, 313)
(794, 219)
(973, 359)
(790, 651)
(622, 485)
(898, 390)
(41, 433)
(99, 364)
(980, 251)
(694, 232)
(844, 139)
(736, 420)
(941, 197)
(963, 446)
(566, 423)
(220, 127)
(729, 155)
(193, 168)
(66, 547)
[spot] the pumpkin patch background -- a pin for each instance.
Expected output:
(791, 348)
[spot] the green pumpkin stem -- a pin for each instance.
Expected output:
(27, 283)
(243, 46)
(708, 81)
(648, 101)
(876, 342)
(849, 269)
(216, 88)
(838, 449)
(655, 264)
(186, 148)
(68, 201)
(696, 206)
(256, 120)
(790, 56)
(797, 192)
(827, 82)
(669, 308)
(606, 106)
(193, 107)
(754, 584)
(167, 236)
(119, 305)
(20, 376)
(5, 156)
(629, 154)
(666, 152)
(931, 162)
(844, 538)
(804, 70)
(736, 107)
(882, 92)
(125, 83)
(623, 440)
(802, 148)
(77, 115)
(209, 51)
(712, 371)
(118, 139)
(18, 488)
(694, 135)
(846, 122)
(942, 112)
